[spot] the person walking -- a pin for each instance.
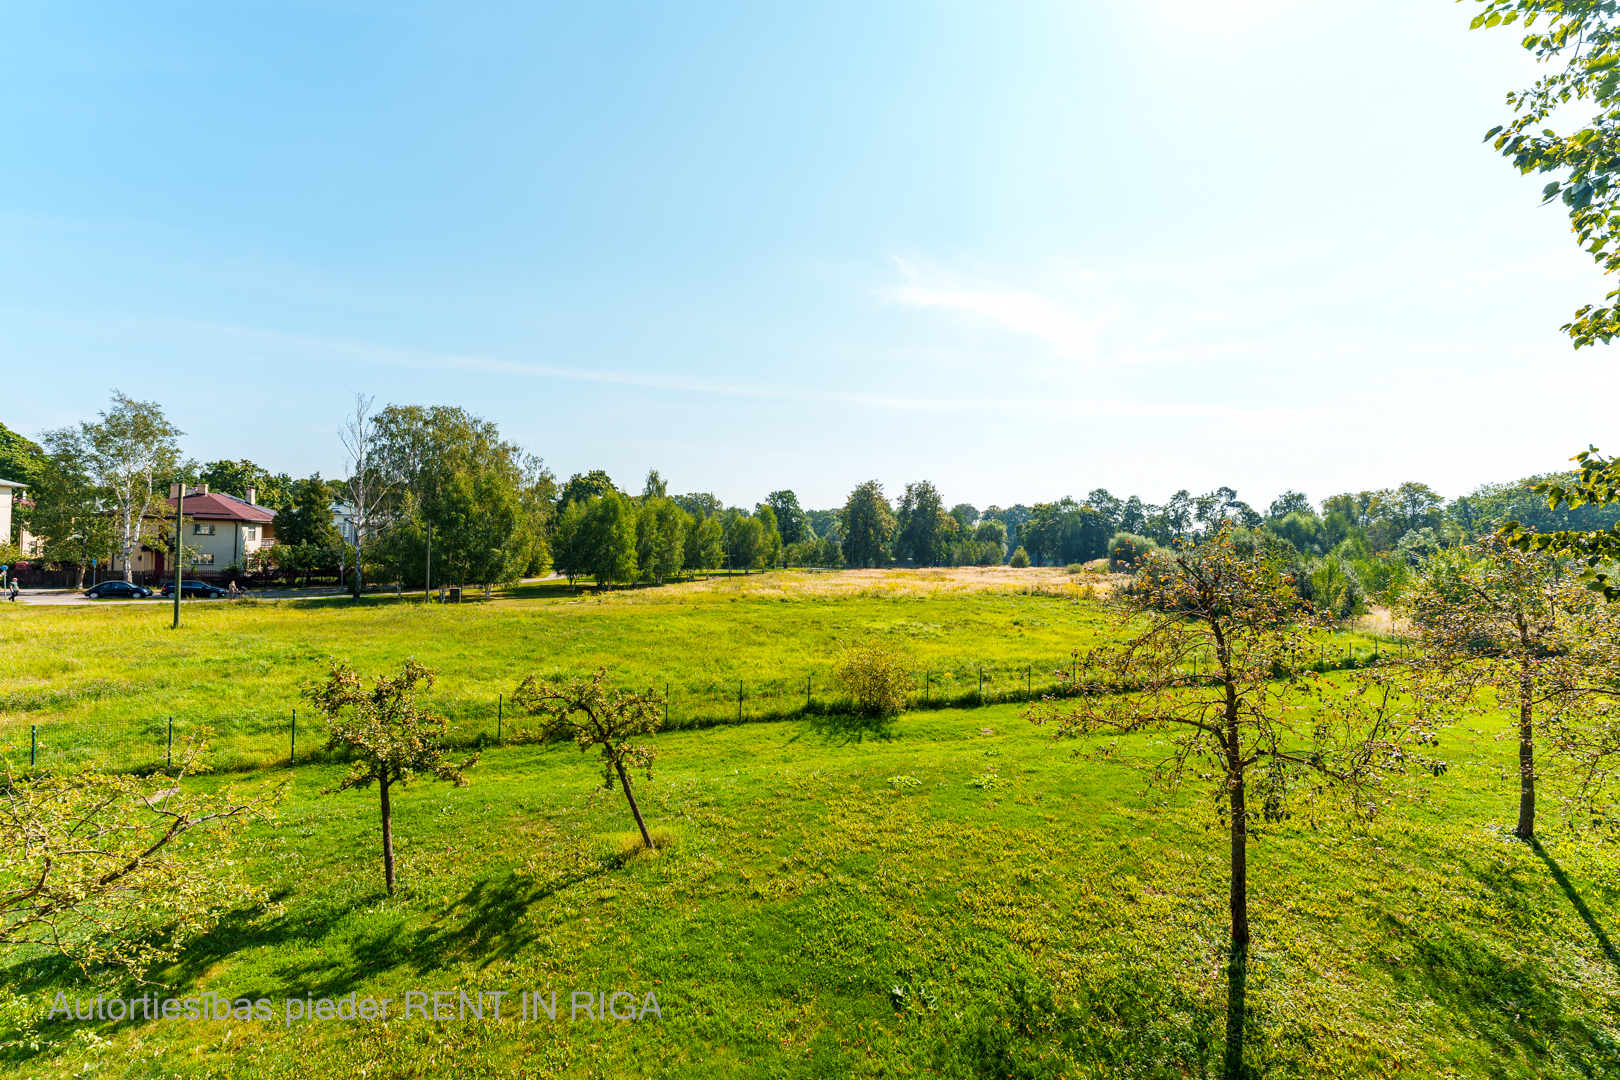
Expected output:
(11, 591)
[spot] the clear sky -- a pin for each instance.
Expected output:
(1020, 249)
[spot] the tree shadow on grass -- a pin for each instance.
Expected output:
(1579, 904)
(1514, 1004)
(845, 727)
(486, 924)
(490, 921)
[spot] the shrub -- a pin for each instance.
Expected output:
(1125, 551)
(1020, 558)
(876, 675)
(1075, 568)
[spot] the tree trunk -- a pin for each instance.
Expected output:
(1527, 755)
(388, 837)
(1237, 972)
(624, 778)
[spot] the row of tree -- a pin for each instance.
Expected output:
(435, 494)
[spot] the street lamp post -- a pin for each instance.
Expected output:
(179, 550)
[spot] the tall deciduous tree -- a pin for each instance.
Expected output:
(770, 537)
(124, 452)
(307, 518)
(661, 528)
(917, 526)
(1269, 745)
(235, 477)
(569, 543)
(705, 545)
(744, 540)
(391, 741)
(598, 717)
(69, 508)
(367, 488)
(866, 524)
(791, 520)
(609, 538)
(452, 472)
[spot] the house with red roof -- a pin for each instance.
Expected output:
(219, 530)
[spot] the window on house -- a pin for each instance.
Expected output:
(202, 529)
(202, 558)
(251, 532)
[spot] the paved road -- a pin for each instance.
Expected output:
(74, 596)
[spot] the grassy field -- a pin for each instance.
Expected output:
(960, 898)
(102, 682)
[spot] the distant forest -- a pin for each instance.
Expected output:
(496, 513)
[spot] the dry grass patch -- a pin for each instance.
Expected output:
(886, 584)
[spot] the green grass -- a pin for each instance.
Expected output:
(1039, 915)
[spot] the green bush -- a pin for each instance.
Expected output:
(1126, 550)
(876, 676)
(1020, 558)
(1075, 568)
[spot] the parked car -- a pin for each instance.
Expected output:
(117, 590)
(200, 589)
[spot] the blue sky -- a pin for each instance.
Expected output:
(1019, 249)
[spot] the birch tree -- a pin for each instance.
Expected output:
(368, 489)
(123, 453)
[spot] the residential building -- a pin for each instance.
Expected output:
(9, 490)
(220, 530)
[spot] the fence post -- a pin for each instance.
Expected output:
(666, 703)
(292, 755)
(171, 742)
(739, 701)
(33, 744)
(500, 714)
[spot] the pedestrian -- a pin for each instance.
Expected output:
(11, 592)
(230, 589)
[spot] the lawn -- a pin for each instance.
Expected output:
(958, 898)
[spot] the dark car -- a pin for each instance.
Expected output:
(117, 590)
(195, 589)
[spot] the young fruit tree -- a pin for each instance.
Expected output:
(115, 870)
(1208, 662)
(388, 739)
(1499, 629)
(596, 716)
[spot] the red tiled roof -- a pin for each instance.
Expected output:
(217, 507)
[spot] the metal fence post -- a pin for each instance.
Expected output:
(33, 744)
(171, 742)
(500, 714)
(292, 755)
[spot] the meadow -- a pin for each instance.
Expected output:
(955, 896)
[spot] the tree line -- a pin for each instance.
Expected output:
(435, 495)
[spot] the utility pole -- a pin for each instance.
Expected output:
(179, 550)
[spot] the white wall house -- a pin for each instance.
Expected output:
(9, 490)
(219, 530)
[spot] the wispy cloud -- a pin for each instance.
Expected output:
(976, 403)
(1017, 310)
